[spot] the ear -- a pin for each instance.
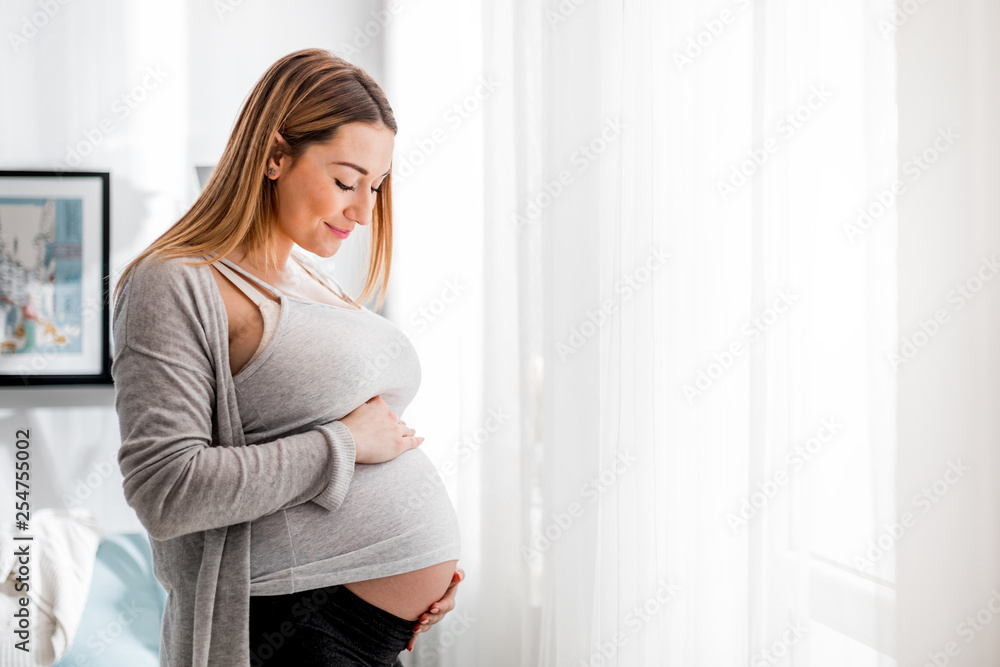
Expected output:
(278, 158)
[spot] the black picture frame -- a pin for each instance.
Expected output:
(54, 295)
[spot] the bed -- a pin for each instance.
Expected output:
(121, 620)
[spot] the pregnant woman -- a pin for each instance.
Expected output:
(292, 518)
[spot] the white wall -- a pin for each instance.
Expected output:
(192, 64)
(949, 561)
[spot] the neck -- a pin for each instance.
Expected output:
(281, 250)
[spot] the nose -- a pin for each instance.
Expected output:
(361, 208)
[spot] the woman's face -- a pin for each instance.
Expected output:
(332, 186)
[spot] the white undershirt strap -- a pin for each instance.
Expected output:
(269, 310)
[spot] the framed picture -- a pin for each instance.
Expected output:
(54, 278)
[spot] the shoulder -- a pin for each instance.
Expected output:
(157, 270)
(155, 279)
(172, 295)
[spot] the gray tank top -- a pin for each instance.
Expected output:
(316, 363)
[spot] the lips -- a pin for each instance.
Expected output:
(342, 233)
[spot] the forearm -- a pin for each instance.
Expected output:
(178, 482)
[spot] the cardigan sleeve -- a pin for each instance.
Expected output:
(176, 478)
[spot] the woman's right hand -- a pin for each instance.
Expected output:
(379, 435)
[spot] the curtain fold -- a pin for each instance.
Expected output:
(696, 208)
(730, 329)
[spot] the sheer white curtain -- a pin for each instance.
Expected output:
(461, 160)
(685, 288)
(743, 377)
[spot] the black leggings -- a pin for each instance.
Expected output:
(325, 627)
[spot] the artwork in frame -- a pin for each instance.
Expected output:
(54, 278)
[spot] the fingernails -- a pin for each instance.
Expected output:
(424, 622)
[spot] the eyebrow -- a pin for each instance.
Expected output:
(364, 172)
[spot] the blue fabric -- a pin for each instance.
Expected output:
(121, 621)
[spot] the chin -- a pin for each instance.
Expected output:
(326, 250)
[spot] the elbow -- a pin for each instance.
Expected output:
(160, 497)
(160, 530)
(155, 523)
(155, 516)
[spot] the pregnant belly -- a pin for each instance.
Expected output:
(396, 518)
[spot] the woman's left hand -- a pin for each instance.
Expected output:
(438, 609)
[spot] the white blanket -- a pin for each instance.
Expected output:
(60, 564)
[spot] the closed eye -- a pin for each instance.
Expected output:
(351, 188)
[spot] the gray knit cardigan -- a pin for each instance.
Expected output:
(193, 482)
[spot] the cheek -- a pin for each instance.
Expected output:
(321, 197)
(310, 197)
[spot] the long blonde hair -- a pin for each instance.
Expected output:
(305, 96)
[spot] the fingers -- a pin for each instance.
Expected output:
(436, 613)
(428, 619)
(414, 440)
(410, 433)
(438, 609)
(446, 604)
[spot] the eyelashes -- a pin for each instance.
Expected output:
(351, 189)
